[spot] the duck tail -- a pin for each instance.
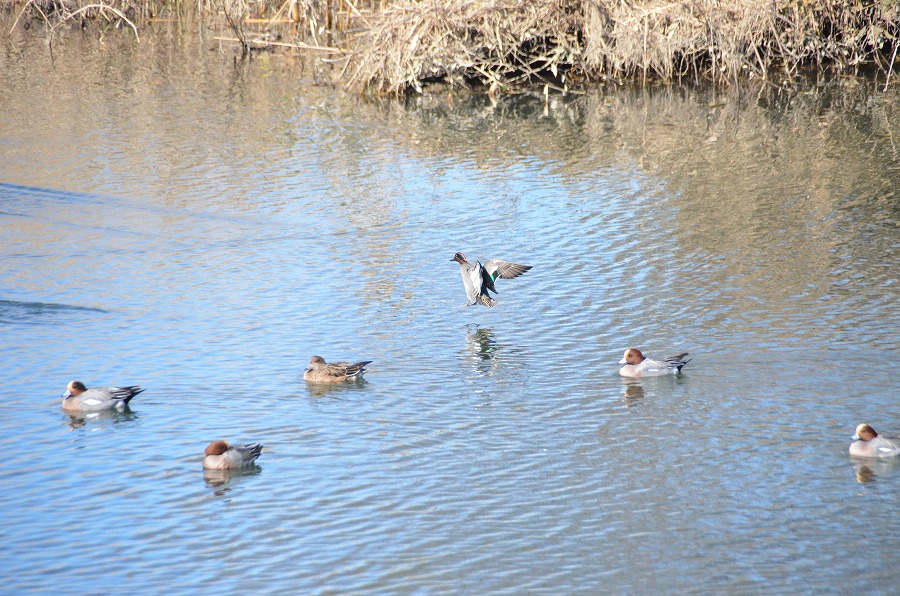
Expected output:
(486, 300)
(358, 369)
(679, 361)
(130, 392)
(255, 449)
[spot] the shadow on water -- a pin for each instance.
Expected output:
(219, 478)
(107, 417)
(27, 195)
(36, 313)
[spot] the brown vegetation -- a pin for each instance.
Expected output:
(556, 42)
(395, 46)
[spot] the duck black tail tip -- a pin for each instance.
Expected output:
(680, 366)
(134, 391)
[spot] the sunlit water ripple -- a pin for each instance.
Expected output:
(488, 450)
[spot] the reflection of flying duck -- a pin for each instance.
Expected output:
(487, 346)
(79, 398)
(637, 365)
(320, 371)
(484, 353)
(478, 278)
(483, 344)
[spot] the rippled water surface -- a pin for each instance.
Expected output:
(174, 219)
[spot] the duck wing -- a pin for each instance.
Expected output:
(499, 268)
(347, 369)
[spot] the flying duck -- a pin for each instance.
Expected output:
(478, 278)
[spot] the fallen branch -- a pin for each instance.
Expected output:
(299, 45)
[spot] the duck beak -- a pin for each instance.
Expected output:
(854, 438)
(622, 361)
(67, 395)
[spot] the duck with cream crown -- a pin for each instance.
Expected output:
(637, 365)
(868, 443)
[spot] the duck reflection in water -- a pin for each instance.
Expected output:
(634, 392)
(872, 470)
(865, 474)
(334, 389)
(482, 349)
(82, 419)
(219, 478)
(481, 343)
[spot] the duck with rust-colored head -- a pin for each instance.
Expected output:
(79, 398)
(637, 365)
(478, 278)
(868, 443)
(222, 456)
(320, 371)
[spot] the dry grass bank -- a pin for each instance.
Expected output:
(392, 46)
(561, 42)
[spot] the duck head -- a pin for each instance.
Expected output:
(864, 432)
(459, 258)
(216, 448)
(632, 356)
(74, 389)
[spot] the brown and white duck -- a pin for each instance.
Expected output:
(868, 443)
(222, 456)
(637, 365)
(79, 398)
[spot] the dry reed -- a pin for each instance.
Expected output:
(497, 43)
(500, 42)
(396, 46)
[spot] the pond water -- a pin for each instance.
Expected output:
(201, 227)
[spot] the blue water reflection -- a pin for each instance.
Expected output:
(234, 224)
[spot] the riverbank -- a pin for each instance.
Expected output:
(560, 45)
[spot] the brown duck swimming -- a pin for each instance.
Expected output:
(320, 371)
